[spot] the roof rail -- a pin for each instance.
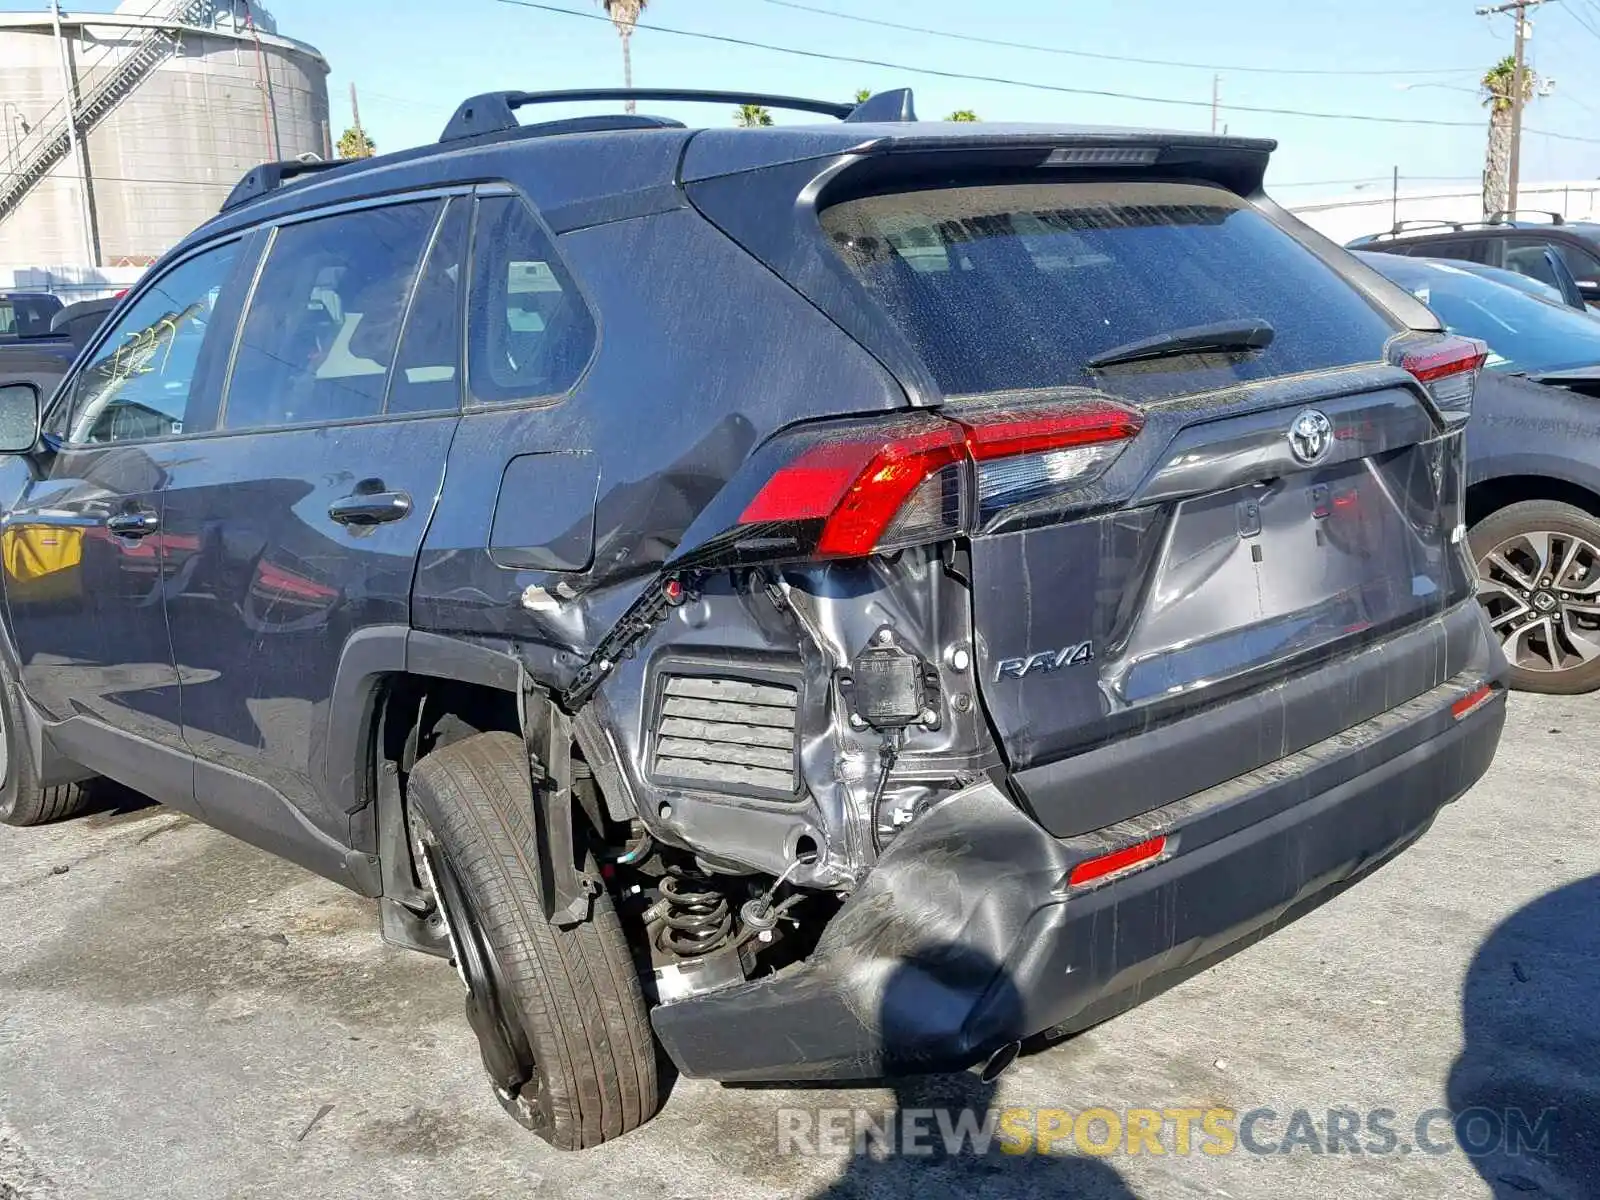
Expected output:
(269, 177)
(1401, 228)
(494, 112)
(1507, 215)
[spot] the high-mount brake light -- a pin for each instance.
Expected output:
(907, 482)
(1448, 367)
(1103, 156)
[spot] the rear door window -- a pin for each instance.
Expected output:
(320, 336)
(427, 371)
(1017, 287)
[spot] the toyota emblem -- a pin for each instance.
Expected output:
(1310, 437)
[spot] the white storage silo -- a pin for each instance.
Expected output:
(176, 100)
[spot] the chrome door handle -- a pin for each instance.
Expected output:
(133, 524)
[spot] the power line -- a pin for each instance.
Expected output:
(96, 177)
(1581, 21)
(1123, 58)
(1274, 186)
(1060, 89)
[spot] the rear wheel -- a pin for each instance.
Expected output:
(22, 800)
(1539, 582)
(559, 1015)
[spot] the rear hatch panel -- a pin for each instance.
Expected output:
(1209, 562)
(1229, 569)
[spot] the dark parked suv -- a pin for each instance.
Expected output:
(1561, 254)
(827, 601)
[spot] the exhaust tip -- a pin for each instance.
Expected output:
(1000, 1062)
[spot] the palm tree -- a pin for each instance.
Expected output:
(1498, 83)
(750, 116)
(863, 95)
(962, 114)
(624, 15)
(354, 143)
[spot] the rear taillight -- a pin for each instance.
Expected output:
(914, 480)
(1448, 367)
(1023, 455)
(857, 487)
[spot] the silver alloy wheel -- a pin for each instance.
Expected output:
(1541, 590)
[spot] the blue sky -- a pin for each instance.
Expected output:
(414, 60)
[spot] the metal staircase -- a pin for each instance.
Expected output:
(115, 75)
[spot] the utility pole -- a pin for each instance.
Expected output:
(1394, 202)
(355, 114)
(1216, 96)
(77, 147)
(269, 102)
(1519, 12)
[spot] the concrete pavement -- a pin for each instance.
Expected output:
(183, 1016)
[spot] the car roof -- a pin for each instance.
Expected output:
(1584, 231)
(578, 161)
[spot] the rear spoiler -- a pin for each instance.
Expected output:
(1239, 164)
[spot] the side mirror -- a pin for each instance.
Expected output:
(19, 417)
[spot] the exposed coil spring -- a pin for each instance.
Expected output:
(697, 920)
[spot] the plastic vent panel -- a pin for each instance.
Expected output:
(727, 735)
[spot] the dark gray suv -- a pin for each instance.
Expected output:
(824, 601)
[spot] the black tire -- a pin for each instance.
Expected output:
(22, 800)
(1510, 604)
(574, 992)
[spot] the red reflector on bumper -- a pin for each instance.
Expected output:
(1118, 860)
(1472, 701)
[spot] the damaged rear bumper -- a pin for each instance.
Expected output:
(966, 936)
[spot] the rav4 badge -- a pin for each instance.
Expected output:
(1044, 661)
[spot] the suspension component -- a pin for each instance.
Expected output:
(697, 919)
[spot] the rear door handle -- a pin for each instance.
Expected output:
(370, 508)
(133, 524)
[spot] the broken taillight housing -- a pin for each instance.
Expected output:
(1448, 368)
(871, 488)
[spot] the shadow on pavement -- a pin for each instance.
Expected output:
(1530, 1063)
(926, 996)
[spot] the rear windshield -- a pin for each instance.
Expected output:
(1015, 287)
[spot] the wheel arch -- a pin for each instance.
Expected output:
(1486, 497)
(398, 693)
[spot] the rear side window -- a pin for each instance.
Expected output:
(1016, 287)
(1478, 250)
(1530, 257)
(529, 331)
(1580, 262)
(27, 316)
(324, 322)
